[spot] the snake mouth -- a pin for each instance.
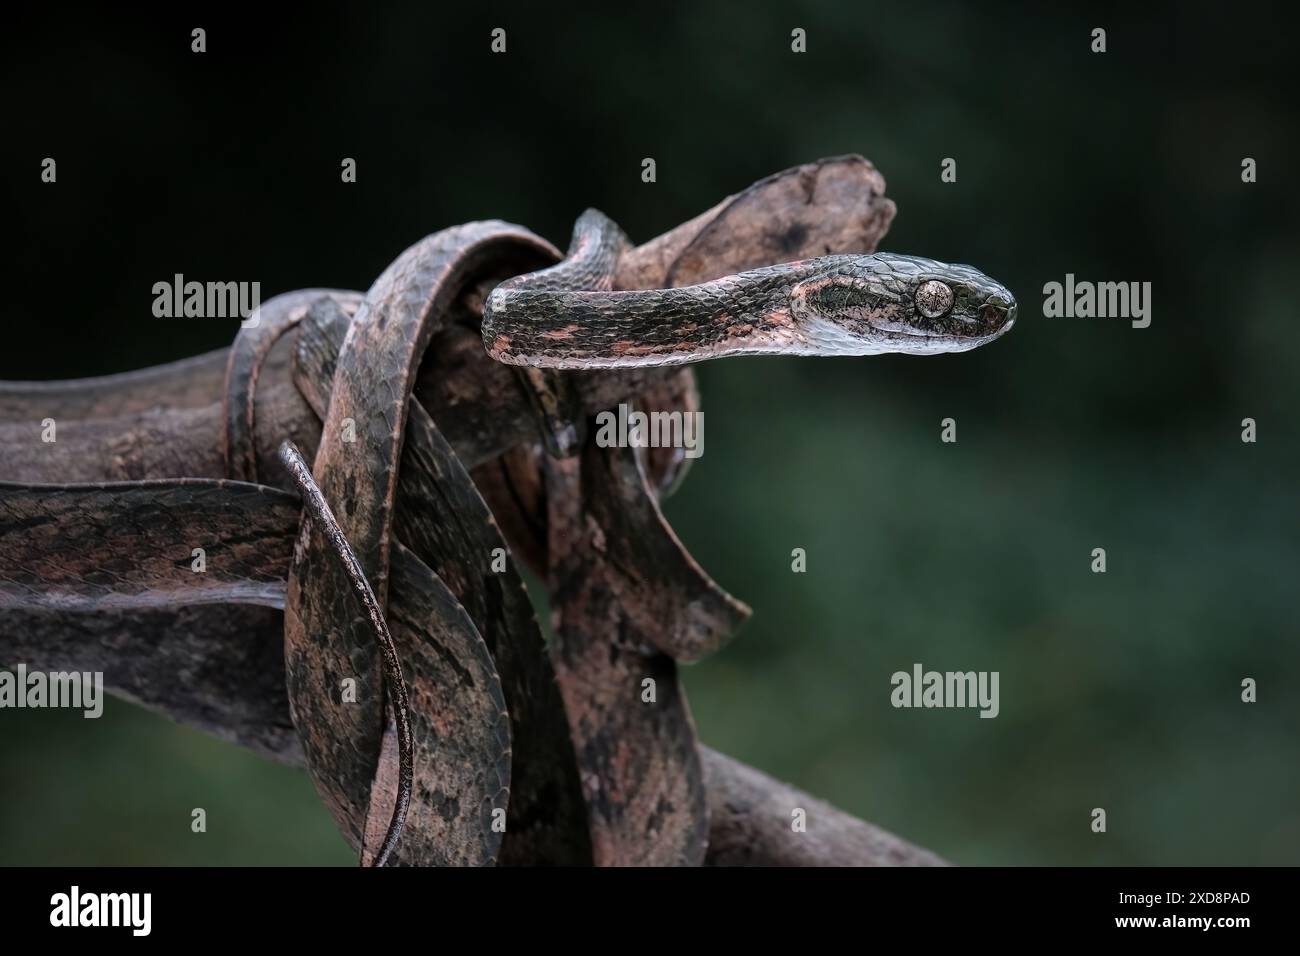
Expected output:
(941, 343)
(997, 314)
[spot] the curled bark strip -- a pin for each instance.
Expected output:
(514, 488)
(376, 368)
(442, 518)
(325, 522)
(829, 206)
(357, 468)
(243, 367)
(662, 589)
(628, 717)
(665, 466)
(782, 217)
(462, 757)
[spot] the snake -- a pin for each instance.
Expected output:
(569, 316)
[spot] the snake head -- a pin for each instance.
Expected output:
(868, 305)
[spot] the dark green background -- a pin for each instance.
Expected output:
(1118, 690)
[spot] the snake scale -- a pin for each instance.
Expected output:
(439, 728)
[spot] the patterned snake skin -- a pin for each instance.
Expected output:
(567, 317)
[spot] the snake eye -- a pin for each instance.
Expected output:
(933, 299)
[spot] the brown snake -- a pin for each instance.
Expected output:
(568, 317)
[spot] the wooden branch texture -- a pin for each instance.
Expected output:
(220, 666)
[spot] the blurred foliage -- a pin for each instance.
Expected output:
(1118, 690)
